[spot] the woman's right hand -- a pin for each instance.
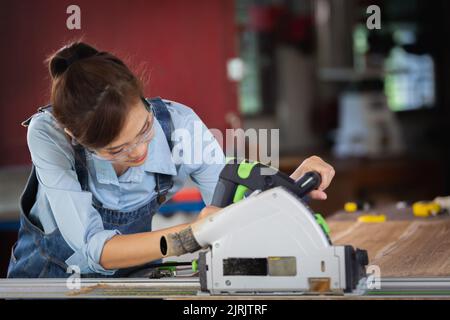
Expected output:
(206, 211)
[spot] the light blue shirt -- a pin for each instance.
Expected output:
(60, 202)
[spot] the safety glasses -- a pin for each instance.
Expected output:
(124, 152)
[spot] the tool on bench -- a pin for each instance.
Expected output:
(425, 209)
(268, 243)
(353, 206)
(167, 269)
(372, 218)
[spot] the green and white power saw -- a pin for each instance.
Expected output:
(266, 239)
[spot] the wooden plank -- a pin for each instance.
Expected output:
(373, 237)
(423, 251)
(402, 248)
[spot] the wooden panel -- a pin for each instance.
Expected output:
(403, 248)
(423, 250)
(372, 237)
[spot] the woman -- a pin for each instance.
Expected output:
(102, 165)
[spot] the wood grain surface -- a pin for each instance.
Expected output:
(403, 246)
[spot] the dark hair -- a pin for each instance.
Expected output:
(91, 93)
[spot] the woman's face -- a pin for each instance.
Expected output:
(131, 146)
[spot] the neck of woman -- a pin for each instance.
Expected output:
(120, 169)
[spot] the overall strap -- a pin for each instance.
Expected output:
(80, 166)
(163, 181)
(79, 152)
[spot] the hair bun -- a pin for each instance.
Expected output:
(67, 55)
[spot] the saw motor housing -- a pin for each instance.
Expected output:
(271, 243)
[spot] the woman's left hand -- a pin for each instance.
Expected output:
(206, 211)
(327, 172)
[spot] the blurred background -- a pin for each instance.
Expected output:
(373, 103)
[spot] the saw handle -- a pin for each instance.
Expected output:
(308, 182)
(224, 193)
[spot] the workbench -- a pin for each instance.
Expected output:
(413, 255)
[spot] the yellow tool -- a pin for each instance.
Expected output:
(372, 218)
(353, 206)
(425, 209)
(350, 207)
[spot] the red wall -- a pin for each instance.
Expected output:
(183, 44)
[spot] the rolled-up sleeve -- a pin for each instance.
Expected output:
(79, 222)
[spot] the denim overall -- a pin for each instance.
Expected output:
(40, 255)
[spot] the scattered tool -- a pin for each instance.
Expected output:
(353, 206)
(269, 243)
(372, 218)
(425, 209)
